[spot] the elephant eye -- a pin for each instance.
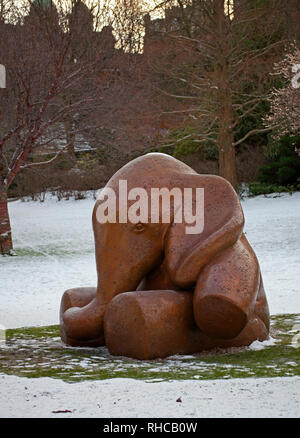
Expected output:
(139, 227)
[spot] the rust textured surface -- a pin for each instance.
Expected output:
(162, 291)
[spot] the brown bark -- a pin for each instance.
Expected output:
(6, 245)
(70, 138)
(225, 140)
(227, 161)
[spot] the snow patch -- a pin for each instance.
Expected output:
(257, 345)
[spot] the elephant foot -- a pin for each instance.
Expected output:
(81, 343)
(255, 330)
(81, 318)
(219, 317)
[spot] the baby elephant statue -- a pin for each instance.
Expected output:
(165, 287)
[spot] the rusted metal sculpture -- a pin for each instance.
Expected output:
(162, 291)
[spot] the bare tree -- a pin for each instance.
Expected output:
(128, 23)
(51, 80)
(216, 65)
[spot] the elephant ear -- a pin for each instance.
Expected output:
(186, 254)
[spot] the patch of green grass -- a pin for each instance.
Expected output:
(48, 251)
(28, 252)
(259, 188)
(39, 352)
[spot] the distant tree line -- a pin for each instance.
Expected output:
(129, 77)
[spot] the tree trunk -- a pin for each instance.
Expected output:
(70, 138)
(6, 245)
(227, 158)
(222, 75)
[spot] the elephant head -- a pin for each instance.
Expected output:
(127, 252)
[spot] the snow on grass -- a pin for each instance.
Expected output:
(55, 248)
(55, 251)
(39, 352)
(257, 345)
(272, 226)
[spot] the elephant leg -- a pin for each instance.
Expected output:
(150, 324)
(226, 292)
(77, 298)
(160, 323)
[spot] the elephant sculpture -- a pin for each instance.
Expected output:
(163, 291)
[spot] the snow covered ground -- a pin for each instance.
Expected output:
(55, 247)
(130, 398)
(54, 243)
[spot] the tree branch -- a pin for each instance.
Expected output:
(253, 132)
